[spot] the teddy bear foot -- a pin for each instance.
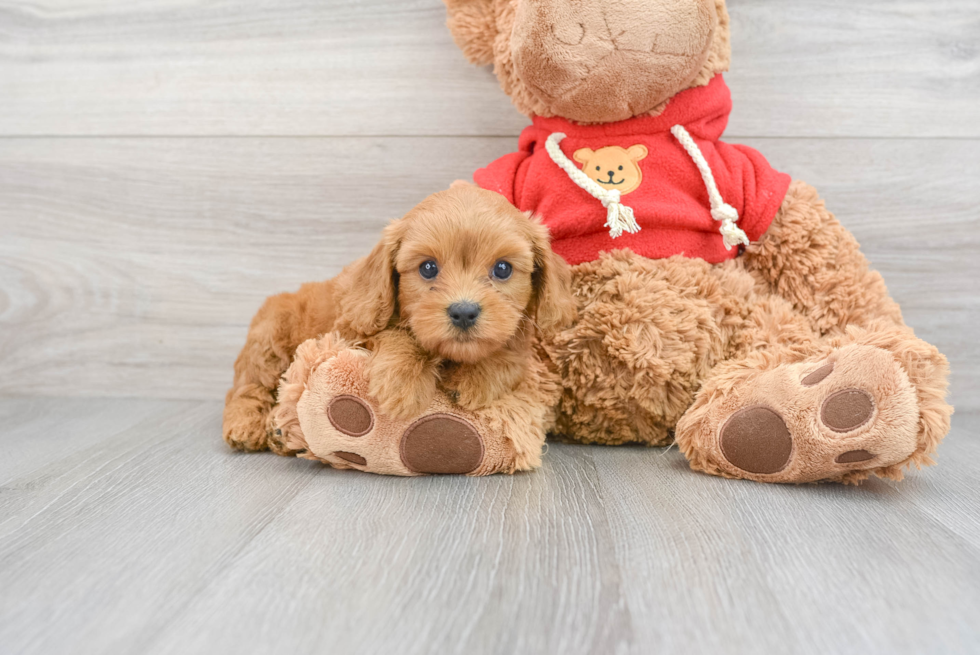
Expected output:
(839, 419)
(325, 413)
(436, 443)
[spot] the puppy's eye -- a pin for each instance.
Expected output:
(620, 168)
(598, 168)
(429, 269)
(502, 270)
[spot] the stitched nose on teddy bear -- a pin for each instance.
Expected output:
(600, 61)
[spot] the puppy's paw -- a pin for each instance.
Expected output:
(244, 424)
(402, 392)
(405, 401)
(469, 393)
(479, 386)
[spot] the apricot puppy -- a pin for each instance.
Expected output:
(450, 295)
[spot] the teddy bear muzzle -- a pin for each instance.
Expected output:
(601, 61)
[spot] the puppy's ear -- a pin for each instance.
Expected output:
(552, 304)
(369, 294)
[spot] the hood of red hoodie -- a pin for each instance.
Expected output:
(703, 111)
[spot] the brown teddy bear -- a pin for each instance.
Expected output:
(720, 304)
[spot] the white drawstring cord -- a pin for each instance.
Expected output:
(619, 217)
(732, 235)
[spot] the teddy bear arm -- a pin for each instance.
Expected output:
(810, 259)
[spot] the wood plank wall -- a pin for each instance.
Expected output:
(166, 164)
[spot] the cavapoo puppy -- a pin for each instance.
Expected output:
(450, 295)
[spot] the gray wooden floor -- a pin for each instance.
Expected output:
(127, 527)
(165, 165)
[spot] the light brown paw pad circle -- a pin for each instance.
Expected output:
(441, 443)
(756, 439)
(351, 416)
(847, 410)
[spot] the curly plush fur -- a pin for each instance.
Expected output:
(678, 349)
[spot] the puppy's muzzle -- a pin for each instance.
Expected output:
(463, 314)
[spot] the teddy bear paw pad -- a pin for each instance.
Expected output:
(818, 375)
(350, 415)
(441, 443)
(353, 458)
(854, 456)
(756, 439)
(847, 410)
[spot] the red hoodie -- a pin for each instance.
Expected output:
(655, 175)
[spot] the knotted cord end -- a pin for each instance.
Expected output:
(724, 212)
(731, 234)
(620, 219)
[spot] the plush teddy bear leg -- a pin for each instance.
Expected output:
(810, 260)
(869, 402)
(326, 413)
(648, 333)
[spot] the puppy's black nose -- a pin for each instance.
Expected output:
(463, 314)
(611, 174)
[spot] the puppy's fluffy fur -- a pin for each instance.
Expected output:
(384, 301)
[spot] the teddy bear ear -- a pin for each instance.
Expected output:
(583, 155)
(474, 28)
(637, 152)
